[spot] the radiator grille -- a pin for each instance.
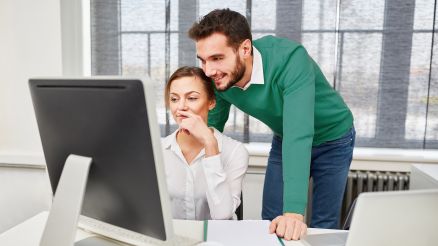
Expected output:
(369, 181)
(365, 181)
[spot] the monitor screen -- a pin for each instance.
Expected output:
(113, 122)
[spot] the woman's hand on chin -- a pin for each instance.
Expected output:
(193, 125)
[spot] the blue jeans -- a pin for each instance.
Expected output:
(329, 167)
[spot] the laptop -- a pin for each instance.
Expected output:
(388, 218)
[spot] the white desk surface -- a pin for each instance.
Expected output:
(29, 232)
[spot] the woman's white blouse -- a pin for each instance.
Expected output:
(210, 187)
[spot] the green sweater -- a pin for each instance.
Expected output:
(296, 102)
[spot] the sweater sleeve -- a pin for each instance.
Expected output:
(224, 181)
(218, 116)
(298, 129)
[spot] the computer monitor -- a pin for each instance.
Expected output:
(113, 122)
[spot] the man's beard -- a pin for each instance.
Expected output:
(236, 75)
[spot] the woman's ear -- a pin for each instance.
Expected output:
(212, 104)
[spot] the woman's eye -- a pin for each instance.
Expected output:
(192, 98)
(173, 99)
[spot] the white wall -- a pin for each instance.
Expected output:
(30, 45)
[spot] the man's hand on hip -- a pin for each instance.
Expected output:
(289, 226)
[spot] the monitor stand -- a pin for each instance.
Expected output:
(66, 207)
(61, 225)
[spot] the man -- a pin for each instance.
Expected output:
(275, 81)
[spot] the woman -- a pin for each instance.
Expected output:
(204, 168)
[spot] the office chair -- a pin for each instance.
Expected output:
(239, 210)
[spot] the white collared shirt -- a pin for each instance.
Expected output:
(210, 187)
(257, 76)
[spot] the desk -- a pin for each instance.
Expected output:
(29, 232)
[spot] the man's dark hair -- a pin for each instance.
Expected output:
(228, 22)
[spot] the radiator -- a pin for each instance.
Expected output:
(365, 181)
(369, 181)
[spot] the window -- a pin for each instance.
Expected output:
(379, 55)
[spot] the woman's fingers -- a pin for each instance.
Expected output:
(185, 113)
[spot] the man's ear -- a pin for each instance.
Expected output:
(246, 48)
(212, 104)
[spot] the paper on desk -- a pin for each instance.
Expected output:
(240, 232)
